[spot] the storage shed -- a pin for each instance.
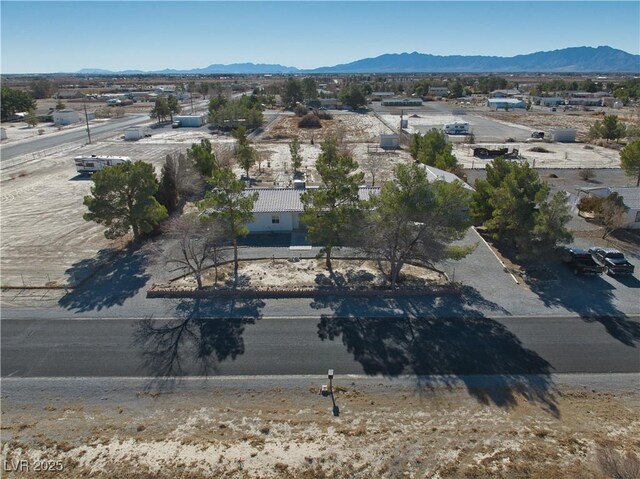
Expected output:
(564, 135)
(65, 117)
(133, 133)
(389, 142)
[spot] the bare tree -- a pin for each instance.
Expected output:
(372, 164)
(200, 244)
(188, 181)
(613, 214)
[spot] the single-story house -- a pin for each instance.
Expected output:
(402, 102)
(330, 103)
(630, 196)
(505, 103)
(68, 94)
(508, 93)
(436, 174)
(279, 209)
(438, 91)
(549, 100)
(585, 101)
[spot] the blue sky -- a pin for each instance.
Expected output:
(67, 36)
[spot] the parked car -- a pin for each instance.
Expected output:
(580, 261)
(176, 124)
(612, 260)
(537, 134)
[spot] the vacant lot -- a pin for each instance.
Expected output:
(284, 429)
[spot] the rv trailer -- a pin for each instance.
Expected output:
(457, 128)
(93, 163)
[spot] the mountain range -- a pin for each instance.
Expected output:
(567, 60)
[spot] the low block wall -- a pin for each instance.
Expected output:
(160, 292)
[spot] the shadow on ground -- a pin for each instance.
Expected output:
(271, 240)
(204, 333)
(441, 337)
(107, 280)
(592, 298)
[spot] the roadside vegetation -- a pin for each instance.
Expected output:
(513, 205)
(123, 199)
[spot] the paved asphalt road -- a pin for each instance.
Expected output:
(98, 131)
(78, 134)
(287, 346)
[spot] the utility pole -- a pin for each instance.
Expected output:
(86, 118)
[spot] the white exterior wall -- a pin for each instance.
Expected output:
(65, 117)
(564, 135)
(632, 215)
(389, 141)
(190, 120)
(262, 222)
(133, 134)
(3, 134)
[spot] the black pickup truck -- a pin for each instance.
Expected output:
(612, 260)
(580, 261)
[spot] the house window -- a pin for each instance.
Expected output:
(637, 216)
(275, 219)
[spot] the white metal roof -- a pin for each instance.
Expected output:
(276, 200)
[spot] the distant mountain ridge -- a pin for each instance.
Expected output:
(567, 60)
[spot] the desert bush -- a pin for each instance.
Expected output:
(588, 147)
(510, 140)
(590, 203)
(587, 174)
(309, 121)
(323, 115)
(539, 149)
(300, 110)
(617, 465)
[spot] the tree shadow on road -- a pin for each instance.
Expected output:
(592, 298)
(442, 342)
(107, 280)
(204, 334)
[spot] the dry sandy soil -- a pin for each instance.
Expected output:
(384, 430)
(542, 119)
(557, 155)
(309, 273)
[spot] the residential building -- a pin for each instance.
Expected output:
(630, 196)
(279, 209)
(505, 103)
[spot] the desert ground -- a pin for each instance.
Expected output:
(283, 428)
(311, 273)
